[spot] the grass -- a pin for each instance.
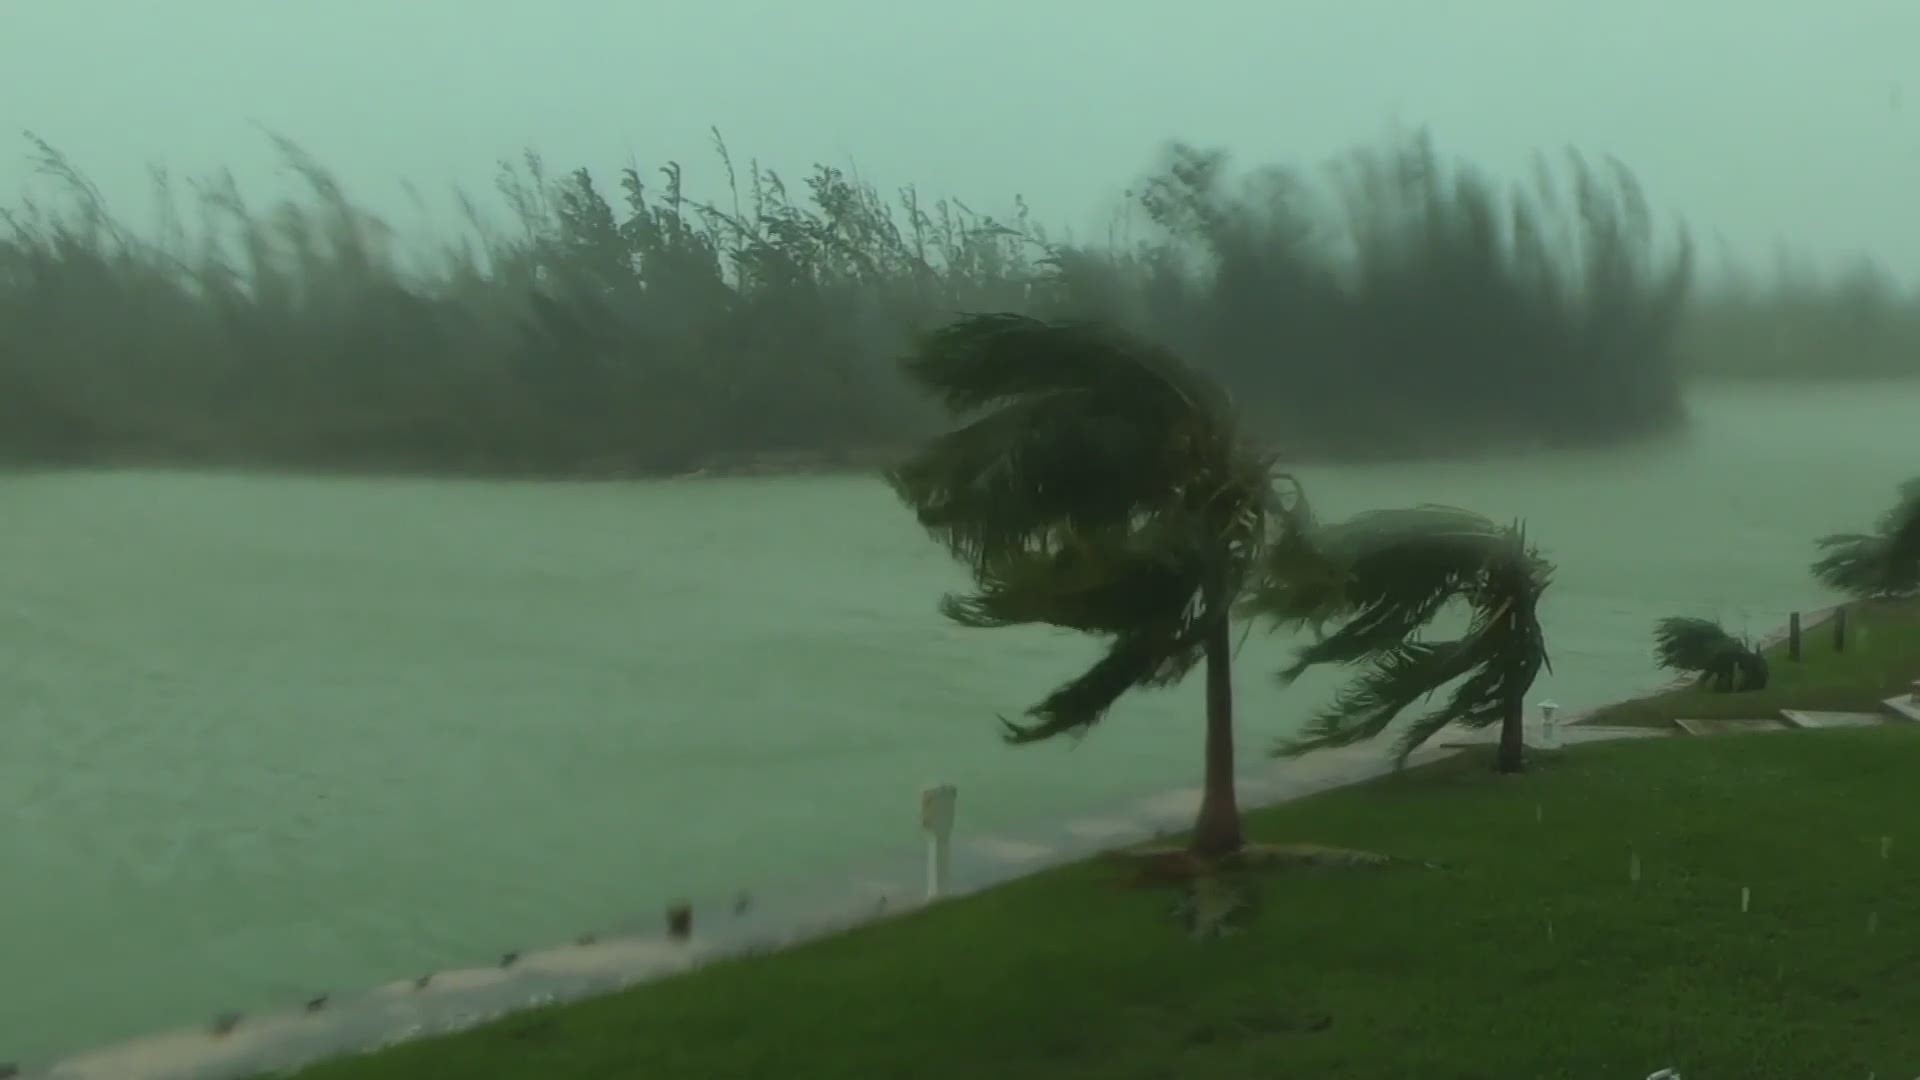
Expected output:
(1882, 659)
(1531, 954)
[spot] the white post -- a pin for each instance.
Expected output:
(1913, 692)
(1549, 731)
(936, 818)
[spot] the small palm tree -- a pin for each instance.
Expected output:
(1881, 565)
(1383, 577)
(1099, 485)
(1702, 648)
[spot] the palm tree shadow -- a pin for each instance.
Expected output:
(1218, 905)
(1221, 897)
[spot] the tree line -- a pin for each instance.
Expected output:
(1397, 304)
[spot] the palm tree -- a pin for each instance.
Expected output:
(1882, 565)
(1383, 577)
(1097, 484)
(1702, 648)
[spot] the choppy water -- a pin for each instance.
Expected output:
(268, 736)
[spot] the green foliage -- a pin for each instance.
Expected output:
(1878, 663)
(649, 331)
(1702, 648)
(656, 333)
(1097, 484)
(1884, 564)
(1542, 314)
(1535, 956)
(1805, 324)
(1383, 577)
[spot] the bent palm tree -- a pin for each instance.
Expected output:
(1383, 577)
(1717, 659)
(1882, 565)
(1097, 485)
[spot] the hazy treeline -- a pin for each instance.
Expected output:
(1798, 323)
(1397, 304)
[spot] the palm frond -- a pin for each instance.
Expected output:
(1704, 649)
(1882, 564)
(1147, 658)
(1386, 573)
(1088, 429)
(1395, 678)
(1384, 576)
(1689, 645)
(1097, 485)
(986, 359)
(1005, 480)
(1105, 582)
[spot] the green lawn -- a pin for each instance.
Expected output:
(1399, 972)
(1882, 658)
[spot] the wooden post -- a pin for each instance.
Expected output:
(1793, 637)
(1840, 630)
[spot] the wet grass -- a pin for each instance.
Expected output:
(1882, 658)
(1533, 953)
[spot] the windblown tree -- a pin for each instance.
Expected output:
(1702, 648)
(1879, 565)
(1098, 484)
(1380, 579)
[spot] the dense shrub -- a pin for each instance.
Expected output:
(1393, 305)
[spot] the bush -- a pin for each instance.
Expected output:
(1400, 307)
(1703, 649)
(1804, 324)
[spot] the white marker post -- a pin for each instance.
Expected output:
(1549, 731)
(936, 817)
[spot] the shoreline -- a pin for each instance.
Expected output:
(842, 461)
(458, 998)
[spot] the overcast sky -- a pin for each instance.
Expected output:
(1761, 120)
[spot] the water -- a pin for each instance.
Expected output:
(266, 737)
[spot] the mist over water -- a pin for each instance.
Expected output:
(1791, 121)
(280, 719)
(277, 735)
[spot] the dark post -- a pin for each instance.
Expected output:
(1793, 636)
(680, 921)
(1840, 630)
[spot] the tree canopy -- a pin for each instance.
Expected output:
(1096, 484)
(1381, 578)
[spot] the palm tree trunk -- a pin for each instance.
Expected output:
(1511, 758)
(1217, 832)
